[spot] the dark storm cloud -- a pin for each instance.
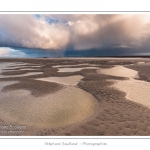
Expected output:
(78, 32)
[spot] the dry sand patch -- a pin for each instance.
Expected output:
(69, 80)
(136, 90)
(66, 106)
(57, 66)
(74, 69)
(119, 71)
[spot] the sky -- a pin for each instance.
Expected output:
(64, 35)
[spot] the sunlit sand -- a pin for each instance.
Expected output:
(141, 62)
(119, 71)
(58, 66)
(70, 80)
(74, 69)
(136, 90)
(66, 106)
(27, 69)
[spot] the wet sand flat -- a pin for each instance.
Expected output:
(109, 100)
(4, 66)
(21, 75)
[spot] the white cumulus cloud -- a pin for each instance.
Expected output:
(9, 52)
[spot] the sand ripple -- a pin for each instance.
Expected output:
(66, 106)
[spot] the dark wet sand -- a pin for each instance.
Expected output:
(115, 114)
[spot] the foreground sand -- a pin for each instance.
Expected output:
(115, 115)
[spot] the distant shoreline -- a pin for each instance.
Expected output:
(2, 58)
